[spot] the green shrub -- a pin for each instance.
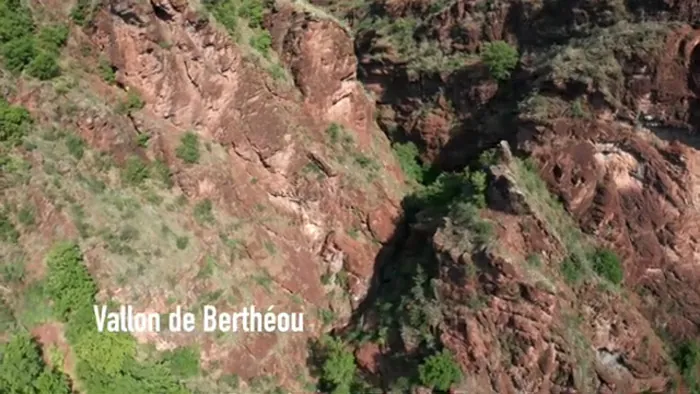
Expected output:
(203, 212)
(26, 216)
(608, 265)
(572, 268)
(52, 38)
(162, 172)
(687, 358)
(75, 145)
(15, 21)
(142, 140)
(52, 382)
(21, 364)
(439, 371)
(182, 242)
(334, 132)
(225, 12)
(500, 58)
(105, 361)
(15, 123)
(188, 150)
(577, 109)
(135, 171)
(44, 66)
(81, 12)
(21, 49)
(252, 10)
(261, 41)
(12, 271)
(8, 232)
(69, 283)
(182, 362)
(132, 103)
(104, 352)
(338, 368)
(22, 370)
(106, 71)
(408, 156)
(18, 53)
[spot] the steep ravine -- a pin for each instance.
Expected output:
(629, 188)
(540, 239)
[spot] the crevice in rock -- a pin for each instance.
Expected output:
(192, 80)
(161, 13)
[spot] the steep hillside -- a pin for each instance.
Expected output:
(459, 196)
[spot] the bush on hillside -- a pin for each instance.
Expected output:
(81, 12)
(188, 150)
(21, 48)
(15, 123)
(252, 10)
(572, 268)
(8, 232)
(15, 20)
(52, 38)
(407, 155)
(262, 42)
(135, 171)
(225, 13)
(18, 53)
(608, 265)
(105, 361)
(182, 362)
(44, 66)
(687, 358)
(500, 58)
(338, 368)
(22, 370)
(69, 283)
(440, 371)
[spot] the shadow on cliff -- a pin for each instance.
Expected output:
(485, 111)
(398, 324)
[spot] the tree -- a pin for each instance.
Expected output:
(500, 58)
(439, 371)
(20, 364)
(52, 382)
(22, 370)
(338, 369)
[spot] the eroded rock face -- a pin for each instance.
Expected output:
(515, 327)
(634, 186)
(261, 134)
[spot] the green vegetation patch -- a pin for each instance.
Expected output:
(337, 371)
(188, 151)
(598, 59)
(500, 58)
(230, 12)
(105, 361)
(440, 371)
(22, 369)
(408, 156)
(687, 358)
(23, 48)
(608, 265)
(15, 123)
